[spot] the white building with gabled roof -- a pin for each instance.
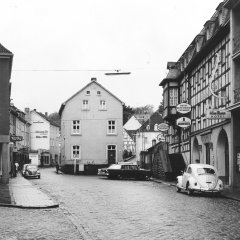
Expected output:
(91, 129)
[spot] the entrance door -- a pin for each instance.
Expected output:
(207, 153)
(111, 154)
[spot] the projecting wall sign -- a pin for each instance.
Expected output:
(163, 127)
(183, 108)
(184, 122)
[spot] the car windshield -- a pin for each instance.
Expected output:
(205, 170)
(32, 168)
(115, 166)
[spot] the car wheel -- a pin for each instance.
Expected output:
(178, 189)
(189, 192)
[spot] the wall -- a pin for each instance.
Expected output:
(40, 132)
(93, 138)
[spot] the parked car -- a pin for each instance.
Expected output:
(31, 171)
(126, 170)
(200, 178)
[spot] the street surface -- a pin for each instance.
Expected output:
(97, 208)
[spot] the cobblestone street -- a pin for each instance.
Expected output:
(92, 207)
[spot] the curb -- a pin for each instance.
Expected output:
(174, 185)
(28, 207)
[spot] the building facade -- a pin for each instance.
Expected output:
(45, 139)
(148, 134)
(91, 129)
(19, 137)
(6, 58)
(204, 77)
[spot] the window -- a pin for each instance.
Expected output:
(88, 92)
(76, 128)
(102, 105)
(98, 92)
(173, 92)
(76, 152)
(156, 127)
(85, 105)
(111, 127)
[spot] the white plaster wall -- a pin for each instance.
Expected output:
(142, 144)
(39, 128)
(93, 139)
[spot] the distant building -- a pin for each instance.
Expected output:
(45, 139)
(148, 134)
(91, 129)
(6, 58)
(132, 123)
(128, 141)
(19, 136)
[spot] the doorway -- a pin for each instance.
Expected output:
(111, 154)
(223, 156)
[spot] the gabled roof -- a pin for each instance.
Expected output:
(46, 118)
(93, 81)
(4, 51)
(155, 118)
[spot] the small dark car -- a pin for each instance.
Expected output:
(128, 170)
(30, 171)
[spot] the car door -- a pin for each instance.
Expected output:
(186, 174)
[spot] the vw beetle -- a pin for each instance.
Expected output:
(199, 178)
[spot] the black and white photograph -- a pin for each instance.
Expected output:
(120, 119)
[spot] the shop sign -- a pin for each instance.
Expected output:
(206, 138)
(163, 127)
(217, 114)
(161, 137)
(184, 122)
(16, 138)
(183, 108)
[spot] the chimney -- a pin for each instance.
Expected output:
(93, 79)
(46, 114)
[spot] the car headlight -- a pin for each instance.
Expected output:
(27, 173)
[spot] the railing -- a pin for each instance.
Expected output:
(236, 95)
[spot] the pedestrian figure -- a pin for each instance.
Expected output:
(57, 167)
(16, 168)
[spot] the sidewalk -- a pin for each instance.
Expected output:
(21, 193)
(233, 194)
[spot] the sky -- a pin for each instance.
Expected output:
(59, 45)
